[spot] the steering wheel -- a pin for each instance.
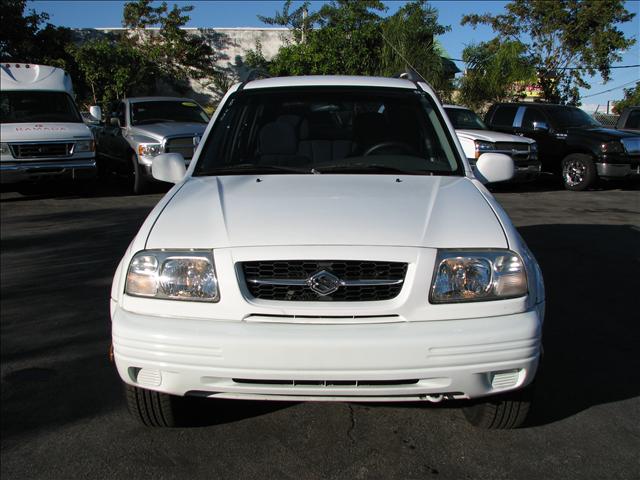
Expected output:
(378, 146)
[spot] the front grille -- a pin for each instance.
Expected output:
(514, 149)
(360, 281)
(328, 383)
(41, 150)
(183, 145)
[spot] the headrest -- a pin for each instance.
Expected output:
(278, 138)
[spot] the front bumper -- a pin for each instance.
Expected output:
(424, 360)
(613, 170)
(21, 171)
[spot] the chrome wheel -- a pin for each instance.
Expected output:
(574, 172)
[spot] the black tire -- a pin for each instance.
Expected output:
(139, 182)
(578, 172)
(501, 412)
(152, 409)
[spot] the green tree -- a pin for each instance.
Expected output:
(179, 55)
(631, 99)
(297, 21)
(494, 71)
(112, 69)
(565, 39)
(345, 40)
(409, 42)
(19, 29)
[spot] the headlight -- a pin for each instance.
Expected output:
(4, 149)
(188, 275)
(612, 147)
(483, 147)
(85, 146)
(149, 149)
(533, 147)
(471, 276)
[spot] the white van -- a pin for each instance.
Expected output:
(43, 134)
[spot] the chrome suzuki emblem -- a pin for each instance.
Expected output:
(323, 283)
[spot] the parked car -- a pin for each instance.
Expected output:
(477, 139)
(629, 120)
(329, 242)
(43, 133)
(139, 129)
(570, 142)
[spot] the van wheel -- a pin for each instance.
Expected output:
(152, 409)
(139, 182)
(578, 172)
(501, 412)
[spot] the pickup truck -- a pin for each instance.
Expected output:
(139, 129)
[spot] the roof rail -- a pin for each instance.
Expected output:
(253, 74)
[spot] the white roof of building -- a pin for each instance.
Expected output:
(330, 81)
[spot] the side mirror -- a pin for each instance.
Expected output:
(540, 127)
(168, 167)
(494, 167)
(96, 112)
(114, 122)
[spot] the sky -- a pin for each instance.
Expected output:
(108, 13)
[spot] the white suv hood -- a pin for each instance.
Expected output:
(239, 211)
(491, 136)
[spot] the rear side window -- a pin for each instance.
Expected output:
(504, 115)
(532, 115)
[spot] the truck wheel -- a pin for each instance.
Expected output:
(578, 172)
(152, 409)
(501, 412)
(139, 183)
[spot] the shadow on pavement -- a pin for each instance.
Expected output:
(591, 331)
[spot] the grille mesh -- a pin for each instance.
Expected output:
(182, 145)
(343, 269)
(41, 150)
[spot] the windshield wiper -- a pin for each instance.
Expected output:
(251, 168)
(355, 168)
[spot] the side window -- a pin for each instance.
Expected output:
(532, 115)
(504, 115)
(633, 121)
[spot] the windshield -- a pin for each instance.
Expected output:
(167, 111)
(30, 106)
(463, 119)
(565, 117)
(320, 130)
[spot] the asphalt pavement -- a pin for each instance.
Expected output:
(64, 416)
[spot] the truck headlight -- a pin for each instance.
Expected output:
(471, 276)
(4, 149)
(483, 147)
(186, 275)
(85, 146)
(149, 149)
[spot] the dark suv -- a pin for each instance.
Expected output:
(570, 142)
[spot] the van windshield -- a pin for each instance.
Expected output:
(30, 106)
(322, 130)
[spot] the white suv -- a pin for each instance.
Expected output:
(329, 242)
(476, 139)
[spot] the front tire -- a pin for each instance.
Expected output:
(152, 409)
(139, 182)
(578, 172)
(501, 412)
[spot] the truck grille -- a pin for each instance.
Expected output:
(183, 145)
(513, 149)
(41, 150)
(353, 280)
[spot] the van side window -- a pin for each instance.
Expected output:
(504, 115)
(532, 115)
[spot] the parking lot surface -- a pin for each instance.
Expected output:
(64, 416)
